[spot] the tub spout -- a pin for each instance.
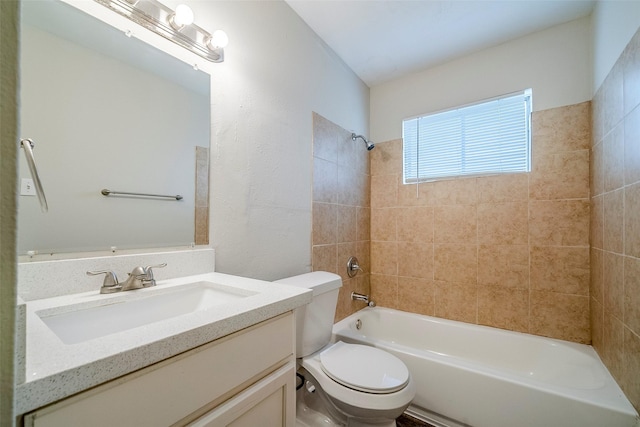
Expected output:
(364, 298)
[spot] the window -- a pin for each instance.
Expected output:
(490, 137)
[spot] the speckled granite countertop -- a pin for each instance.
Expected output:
(55, 370)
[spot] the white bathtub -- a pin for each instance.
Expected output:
(485, 377)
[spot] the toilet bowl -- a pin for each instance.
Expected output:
(347, 384)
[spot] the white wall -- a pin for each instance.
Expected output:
(276, 72)
(613, 23)
(555, 63)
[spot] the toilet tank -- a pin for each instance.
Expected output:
(314, 321)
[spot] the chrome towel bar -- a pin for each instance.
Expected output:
(106, 192)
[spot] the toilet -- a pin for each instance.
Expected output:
(344, 384)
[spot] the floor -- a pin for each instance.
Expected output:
(407, 421)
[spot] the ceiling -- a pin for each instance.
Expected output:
(382, 40)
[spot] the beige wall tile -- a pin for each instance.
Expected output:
(345, 305)
(613, 159)
(415, 260)
(632, 220)
(324, 223)
(596, 228)
(383, 224)
(384, 290)
(416, 295)
(632, 147)
(325, 181)
(350, 186)
(344, 252)
(363, 253)
(505, 266)
(325, 138)
(560, 316)
(384, 191)
(461, 191)
(384, 258)
(506, 308)
(561, 129)
(632, 294)
(346, 218)
(415, 224)
(613, 230)
(597, 116)
(559, 223)
(560, 269)
(387, 158)
(455, 224)
(457, 301)
(503, 223)
(613, 337)
(631, 74)
(503, 188)
(613, 284)
(456, 263)
(363, 223)
(422, 194)
(325, 258)
(560, 176)
(201, 225)
(631, 380)
(596, 287)
(596, 169)
(597, 325)
(613, 103)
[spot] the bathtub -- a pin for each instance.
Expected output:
(470, 375)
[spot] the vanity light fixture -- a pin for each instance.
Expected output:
(176, 26)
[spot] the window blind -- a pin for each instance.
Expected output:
(485, 138)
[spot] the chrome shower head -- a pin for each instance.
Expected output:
(370, 145)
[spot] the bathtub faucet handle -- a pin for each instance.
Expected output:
(353, 267)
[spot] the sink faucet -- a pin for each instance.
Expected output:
(140, 277)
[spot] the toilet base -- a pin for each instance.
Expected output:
(315, 409)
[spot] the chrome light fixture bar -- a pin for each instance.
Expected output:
(160, 19)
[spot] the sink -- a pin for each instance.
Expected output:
(76, 323)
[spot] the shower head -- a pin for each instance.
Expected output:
(370, 145)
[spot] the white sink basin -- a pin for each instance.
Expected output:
(77, 323)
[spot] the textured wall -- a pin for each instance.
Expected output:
(615, 221)
(510, 251)
(341, 212)
(8, 146)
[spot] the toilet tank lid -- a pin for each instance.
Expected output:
(319, 281)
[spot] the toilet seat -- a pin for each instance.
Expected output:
(364, 368)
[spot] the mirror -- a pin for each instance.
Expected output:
(107, 111)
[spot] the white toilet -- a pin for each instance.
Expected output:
(351, 384)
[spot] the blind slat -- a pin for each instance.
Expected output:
(489, 137)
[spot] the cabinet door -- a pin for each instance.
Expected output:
(269, 402)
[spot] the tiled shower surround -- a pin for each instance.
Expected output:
(615, 221)
(553, 252)
(509, 251)
(341, 212)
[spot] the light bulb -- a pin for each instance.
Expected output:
(183, 15)
(218, 39)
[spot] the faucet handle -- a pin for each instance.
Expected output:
(148, 272)
(110, 283)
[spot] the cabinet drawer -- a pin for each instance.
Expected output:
(167, 392)
(269, 402)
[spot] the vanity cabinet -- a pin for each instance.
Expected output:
(244, 379)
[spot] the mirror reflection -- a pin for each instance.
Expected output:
(107, 111)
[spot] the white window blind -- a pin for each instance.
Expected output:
(486, 138)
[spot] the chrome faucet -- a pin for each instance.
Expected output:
(364, 298)
(140, 277)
